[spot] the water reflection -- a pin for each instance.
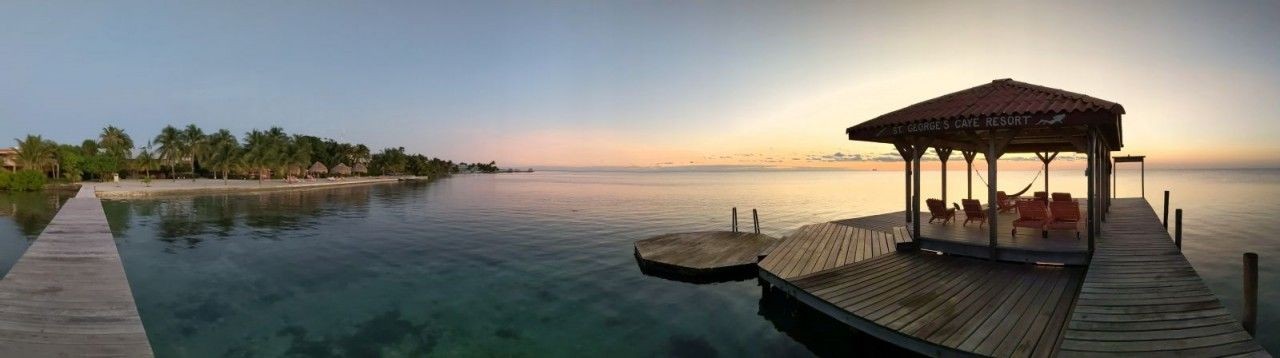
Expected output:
(822, 335)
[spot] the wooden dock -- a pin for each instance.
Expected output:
(706, 253)
(1137, 296)
(1142, 297)
(823, 246)
(68, 294)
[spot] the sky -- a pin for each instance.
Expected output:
(634, 83)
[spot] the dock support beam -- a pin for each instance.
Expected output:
(907, 153)
(1251, 293)
(1177, 231)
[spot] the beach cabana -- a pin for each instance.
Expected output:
(318, 168)
(994, 119)
(360, 168)
(341, 169)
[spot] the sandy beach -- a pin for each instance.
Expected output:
(136, 188)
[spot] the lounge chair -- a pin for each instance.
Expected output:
(1031, 215)
(1061, 197)
(1066, 216)
(939, 210)
(973, 212)
(1004, 202)
(1043, 197)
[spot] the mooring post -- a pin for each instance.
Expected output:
(1177, 230)
(1251, 293)
(735, 220)
(1166, 210)
(755, 219)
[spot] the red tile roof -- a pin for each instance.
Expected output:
(998, 98)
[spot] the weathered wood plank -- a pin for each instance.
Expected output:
(68, 294)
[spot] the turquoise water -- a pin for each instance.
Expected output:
(541, 264)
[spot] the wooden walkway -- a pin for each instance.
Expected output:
(68, 295)
(705, 252)
(947, 305)
(823, 246)
(1142, 297)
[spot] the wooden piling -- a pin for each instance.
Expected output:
(1250, 320)
(755, 219)
(1166, 210)
(1177, 230)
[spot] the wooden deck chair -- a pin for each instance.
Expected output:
(939, 210)
(1066, 216)
(1004, 202)
(1031, 215)
(1043, 197)
(1061, 197)
(973, 212)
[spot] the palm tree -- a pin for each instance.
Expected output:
(35, 152)
(171, 148)
(260, 152)
(116, 142)
(146, 161)
(224, 153)
(196, 146)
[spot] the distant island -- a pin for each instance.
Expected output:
(190, 153)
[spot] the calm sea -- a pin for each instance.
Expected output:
(541, 264)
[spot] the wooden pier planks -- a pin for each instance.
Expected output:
(823, 246)
(1142, 297)
(68, 294)
(702, 252)
(944, 305)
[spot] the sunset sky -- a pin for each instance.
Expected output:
(634, 83)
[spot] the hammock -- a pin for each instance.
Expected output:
(1024, 190)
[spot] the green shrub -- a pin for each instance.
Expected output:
(5, 179)
(27, 180)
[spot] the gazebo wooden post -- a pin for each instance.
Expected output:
(1091, 155)
(943, 155)
(992, 219)
(916, 153)
(968, 169)
(905, 151)
(1046, 158)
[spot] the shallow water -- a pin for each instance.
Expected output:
(541, 264)
(23, 215)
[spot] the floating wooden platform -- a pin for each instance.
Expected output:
(67, 296)
(1142, 297)
(703, 253)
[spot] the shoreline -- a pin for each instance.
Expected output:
(130, 189)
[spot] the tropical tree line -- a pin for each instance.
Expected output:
(189, 152)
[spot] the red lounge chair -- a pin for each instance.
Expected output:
(1004, 202)
(973, 212)
(1031, 215)
(1066, 216)
(1043, 197)
(939, 210)
(1061, 197)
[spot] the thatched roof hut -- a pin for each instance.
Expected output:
(360, 168)
(342, 169)
(318, 168)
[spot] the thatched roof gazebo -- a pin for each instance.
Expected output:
(342, 169)
(318, 168)
(360, 168)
